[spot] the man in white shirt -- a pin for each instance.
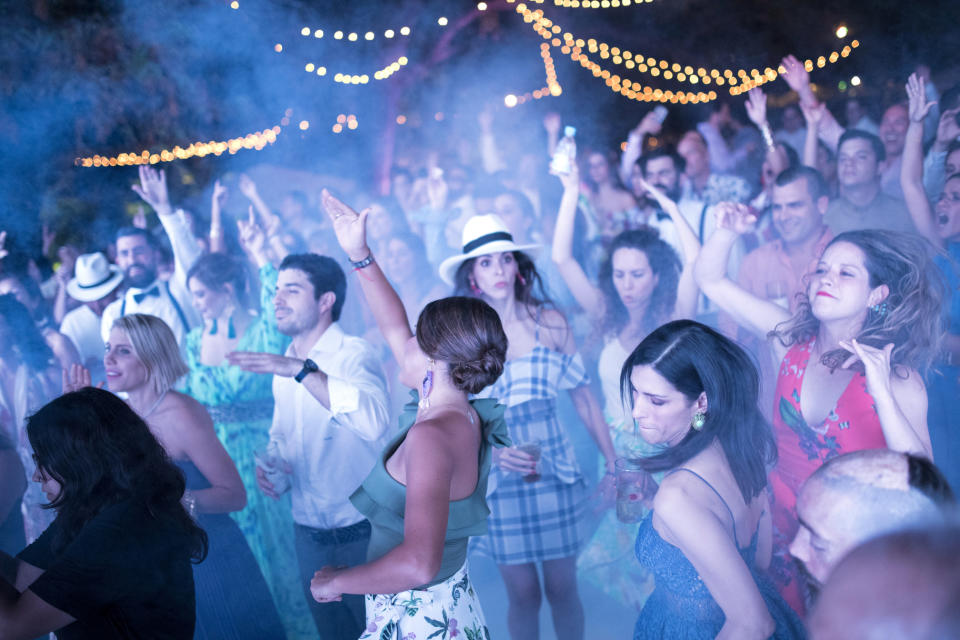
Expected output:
(95, 284)
(139, 258)
(330, 424)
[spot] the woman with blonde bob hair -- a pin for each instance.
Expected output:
(143, 360)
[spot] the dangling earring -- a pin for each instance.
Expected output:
(880, 309)
(699, 419)
(231, 331)
(426, 387)
(213, 327)
(523, 281)
(474, 289)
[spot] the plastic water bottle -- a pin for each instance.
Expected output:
(566, 152)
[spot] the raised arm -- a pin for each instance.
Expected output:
(798, 78)
(756, 106)
(587, 295)
(383, 300)
(687, 290)
(911, 169)
(813, 114)
(650, 125)
(755, 314)
(270, 221)
(217, 244)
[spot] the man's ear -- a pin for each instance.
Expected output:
(326, 301)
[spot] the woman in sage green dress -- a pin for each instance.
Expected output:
(241, 405)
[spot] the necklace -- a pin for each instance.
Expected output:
(153, 407)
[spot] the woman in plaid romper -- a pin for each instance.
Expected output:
(536, 502)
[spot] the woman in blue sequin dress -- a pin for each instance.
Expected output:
(708, 537)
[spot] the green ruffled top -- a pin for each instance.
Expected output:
(382, 499)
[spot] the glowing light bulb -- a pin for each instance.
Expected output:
(352, 124)
(368, 35)
(338, 35)
(309, 67)
(321, 71)
(318, 33)
(402, 60)
(337, 128)
(401, 119)
(481, 6)
(352, 37)
(404, 31)
(510, 100)
(388, 33)
(304, 125)
(305, 31)
(278, 47)
(842, 32)
(855, 81)
(234, 5)
(442, 21)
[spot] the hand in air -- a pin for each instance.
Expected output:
(77, 377)
(795, 74)
(756, 105)
(349, 226)
(660, 196)
(735, 217)
(252, 237)
(917, 102)
(247, 187)
(153, 189)
(571, 180)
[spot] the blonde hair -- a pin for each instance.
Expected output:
(156, 347)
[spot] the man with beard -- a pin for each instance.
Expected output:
(330, 421)
(662, 169)
(138, 256)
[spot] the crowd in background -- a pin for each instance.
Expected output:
(825, 245)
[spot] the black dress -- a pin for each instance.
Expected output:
(125, 575)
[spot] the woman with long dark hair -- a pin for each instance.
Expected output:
(29, 377)
(537, 505)
(848, 357)
(116, 561)
(694, 394)
(426, 496)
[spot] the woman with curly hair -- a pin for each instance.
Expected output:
(537, 506)
(640, 286)
(116, 562)
(848, 358)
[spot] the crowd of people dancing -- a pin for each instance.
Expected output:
(209, 431)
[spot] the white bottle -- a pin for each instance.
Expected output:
(566, 152)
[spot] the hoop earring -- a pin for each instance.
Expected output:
(426, 387)
(699, 419)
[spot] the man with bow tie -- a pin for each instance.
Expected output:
(138, 256)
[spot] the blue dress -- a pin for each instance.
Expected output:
(681, 606)
(233, 601)
(943, 381)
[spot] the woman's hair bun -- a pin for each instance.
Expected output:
(476, 375)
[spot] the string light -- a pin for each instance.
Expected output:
(842, 31)
(553, 87)
(573, 46)
(234, 5)
(257, 140)
(350, 121)
(598, 4)
(391, 68)
(481, 6)
(340, 34)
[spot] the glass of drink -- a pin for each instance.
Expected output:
(632, 485)
(268, 458)
(532, 449)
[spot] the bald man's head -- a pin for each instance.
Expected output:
(900, 586)
(860, 495)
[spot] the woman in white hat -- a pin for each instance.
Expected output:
(537, 504)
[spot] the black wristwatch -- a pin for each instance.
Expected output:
(309, 366)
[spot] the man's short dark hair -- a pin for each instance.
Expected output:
(128, 232)
(860, 134)
(666, 152)
(324, 274)
(816, 186)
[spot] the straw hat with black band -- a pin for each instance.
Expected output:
(94, 278)
(482, 235)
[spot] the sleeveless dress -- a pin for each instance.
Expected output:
(233, 601)
(542, 520)
(681, 607)
(448, 606)
(241, 406)
(852, 425)
(606, 560)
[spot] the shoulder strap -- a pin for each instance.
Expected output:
(733, 520)
(536, 331)
(176, 307)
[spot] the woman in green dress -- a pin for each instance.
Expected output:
(241, 405)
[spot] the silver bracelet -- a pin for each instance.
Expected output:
(360, 264)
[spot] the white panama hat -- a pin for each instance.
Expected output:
(94, 278)
(482, 235)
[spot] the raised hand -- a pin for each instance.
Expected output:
(650, 124)
(247, 186)
(48, 235)
(219, 193)
(735, 217)
(140, 218)
(348, 225)
(757, 106)
(918, 105)
(658, 194)
(551, 122)
(252, 237)
(153, 189)
(569, 180)
(813, 113)
(795, 74)
(876, 364)
(485, 120)
(76, 377)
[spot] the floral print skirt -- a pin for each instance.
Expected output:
(447, 610)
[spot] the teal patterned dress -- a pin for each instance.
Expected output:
(241, 405)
